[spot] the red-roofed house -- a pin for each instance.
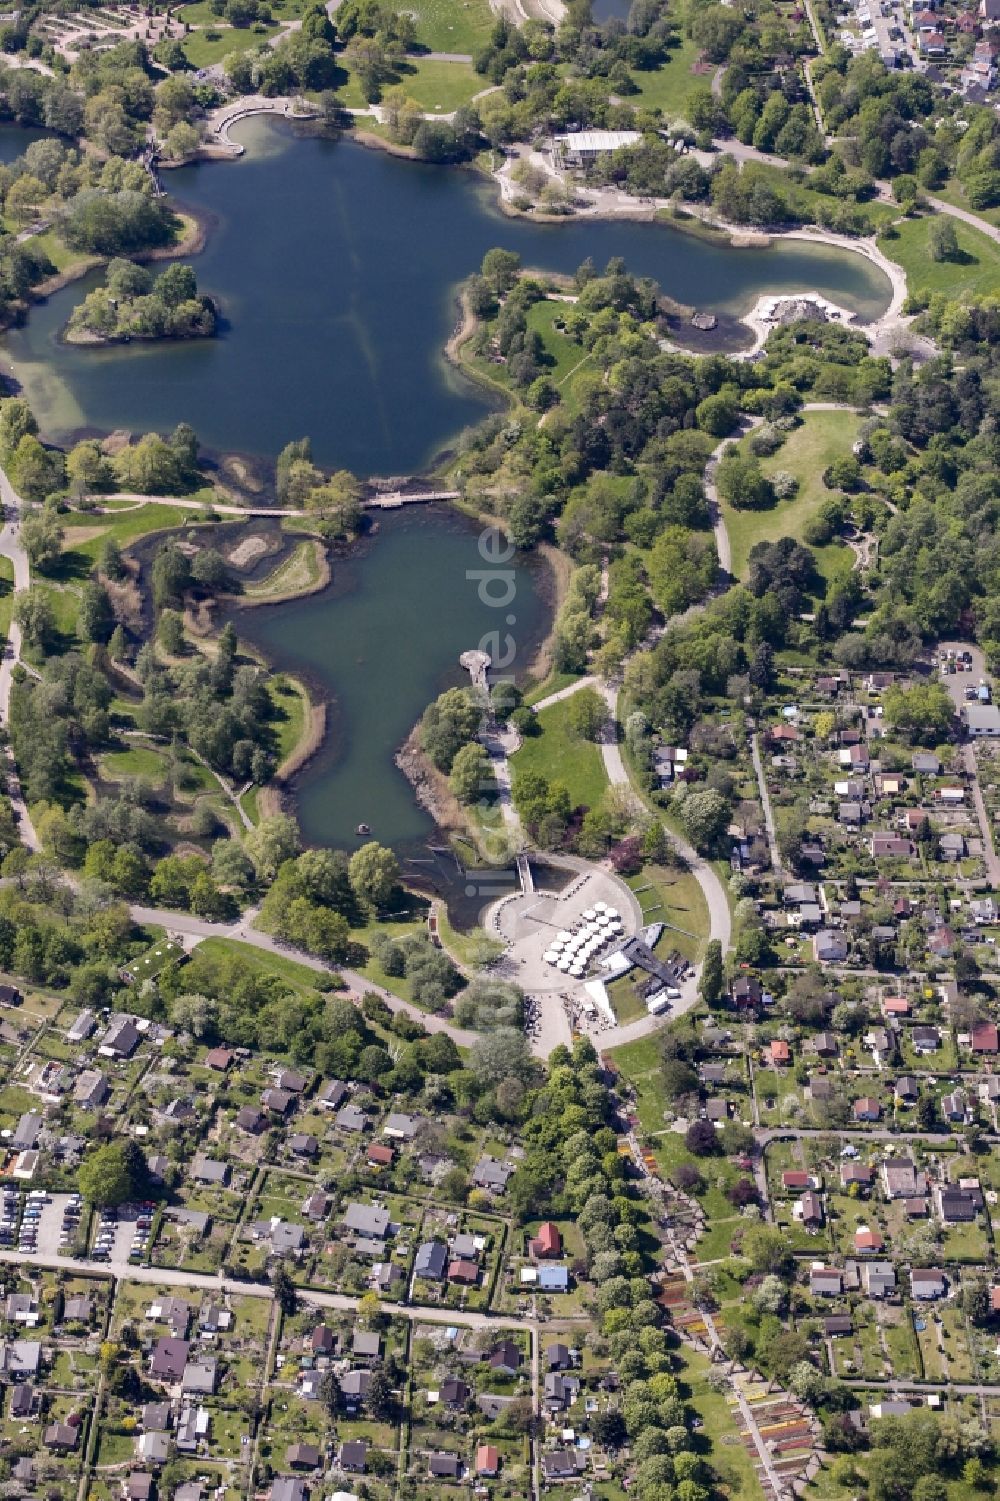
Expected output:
(985, 1038)
(780, 1052)
(466, 1272)
(867, 1109)
(868, 1242)
(548, 1241)
(487, 1460)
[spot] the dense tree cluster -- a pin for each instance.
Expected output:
(133, 304)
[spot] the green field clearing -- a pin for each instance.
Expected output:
(564, 359)
(298, 976)
(137, 761)
(674, 897)
(975, 274)
(719, 1434)
(291, 704)
(452, 25)
(439, 88)
(807, 451)
(560, 755)
(124, 526)
(203, 48)
(669, 88)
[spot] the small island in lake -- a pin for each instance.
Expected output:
(133, 304)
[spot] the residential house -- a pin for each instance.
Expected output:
(984, 1038)
(926, 1283)
(487, 1461)
(867, 1242)
(829, 946)
(368, 1220)
(492, 1175)
(900, 1178)
(332, 1095)
(505, 1358)
(746, 993)
(856, 1172)
(880, 1278)
(277, 1101)
(953, 1206)
(121, 1039)
(169, 1359)
(808, 1210)
(354, 1456)
(867, 1109)
(548, 1242)
(466, 1273)
(431, 1261)
(825, 1281)
(887, 846)
(400, 1127)
(907, 1090)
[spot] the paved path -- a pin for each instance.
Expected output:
(765, 801)
(567, 692)
(712, 889)
(722, 545)
(11, 547)
(192, 930)
(973, 220)
(125, 1271)
(990, 858)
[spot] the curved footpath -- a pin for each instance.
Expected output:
(720, 925)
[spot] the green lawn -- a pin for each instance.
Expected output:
(954, 192)
(125, 526)
(299, 976)
(291, 704)
(564, 357)
(60, 255)
(822, 437)
(439, 88)
(718, 1437)
(561, 755)
(976, 273)
(137, 761)
(452, 25)
(669, 88)
(203, 48)
(674, 897)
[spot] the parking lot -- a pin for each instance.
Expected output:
(122, 1234)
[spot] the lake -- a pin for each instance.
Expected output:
(383, 640)
(336, 268)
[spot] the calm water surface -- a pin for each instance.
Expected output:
(15, 139)
(379, 644)
(336, 269)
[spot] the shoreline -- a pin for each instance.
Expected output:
(648, 211)
(430, 786)
(192, 242)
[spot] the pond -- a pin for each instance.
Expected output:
(15, 139)
(380, 642)
(336, 269)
